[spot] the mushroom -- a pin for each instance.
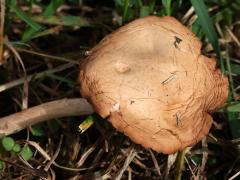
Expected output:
(150, 80)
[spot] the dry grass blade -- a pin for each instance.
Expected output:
(220, 32)
(189, 166)
(155, 162)
(234, 176)
(48, 165)
(171, 160)
(25, 81)
(2, 30)
(53, 177)
(34, 172)
(47, 157)
(39, 149)
(48, 56)
(129, 173)
(204, 154)
(128, 160)
(88, 152)
(138, 162)
(231, 34)
(97, 157)
(187, 15)
(71, 169)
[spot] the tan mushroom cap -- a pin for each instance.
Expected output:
(152, 83)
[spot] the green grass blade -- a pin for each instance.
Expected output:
(233, 118)
(152, 5)
(234, 123)
(125, 11)
(46, 32)
(167, 5)
(207, 25)
(144, 11)
(235, 68)
(23, 16)
(64, 20)
(87, 123)
(49, 11)
(52, 7)
(28, 34)
(230, 78)
(197, 29)
(62, 79)
(232, 108)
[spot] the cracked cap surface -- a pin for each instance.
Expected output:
(151, 81)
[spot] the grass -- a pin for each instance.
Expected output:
(50, 37)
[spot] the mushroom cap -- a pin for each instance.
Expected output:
(152, 83)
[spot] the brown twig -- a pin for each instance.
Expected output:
(51, 110)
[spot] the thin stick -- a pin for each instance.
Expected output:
(51, 110)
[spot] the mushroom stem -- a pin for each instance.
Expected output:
(44, 112)
(180, 164)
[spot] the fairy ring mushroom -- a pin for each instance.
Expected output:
(150, 80)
